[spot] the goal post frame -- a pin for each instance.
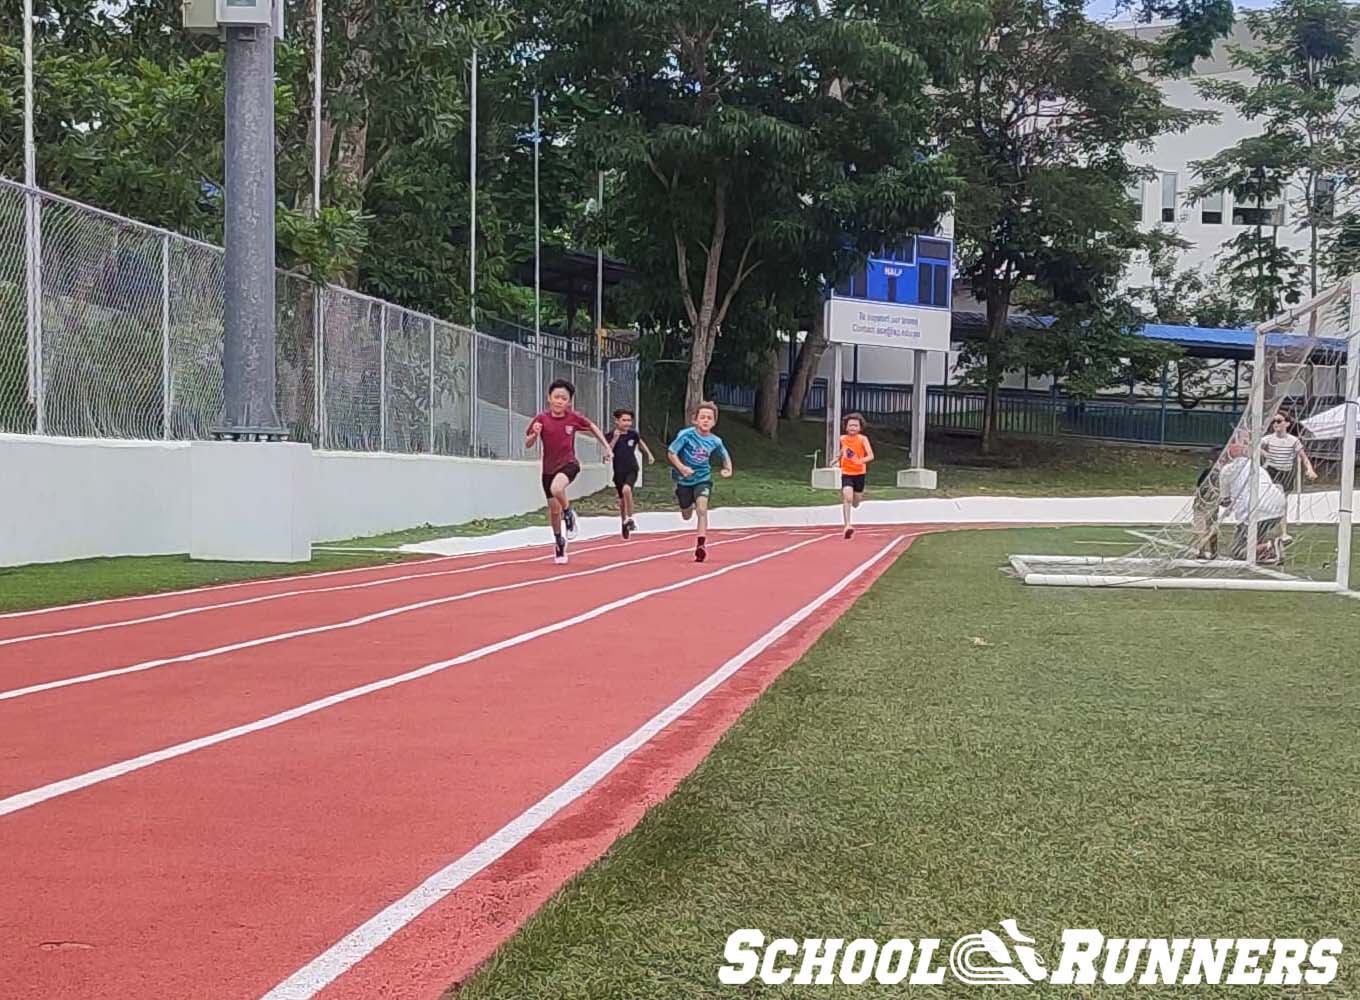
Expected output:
(1246, 572)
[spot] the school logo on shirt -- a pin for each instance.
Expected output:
(700, 454)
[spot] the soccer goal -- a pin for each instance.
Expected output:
(1273, 511)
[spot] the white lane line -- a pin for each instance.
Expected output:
(361, 942)
(234, 585)
(281, 595)
(267, 640)
(44, 793)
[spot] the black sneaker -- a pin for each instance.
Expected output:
(569, 520)
(627, 529)
(849, 532)
(700, 554)
(560, 551)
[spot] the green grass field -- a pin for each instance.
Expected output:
(960, 749)
(48, 584)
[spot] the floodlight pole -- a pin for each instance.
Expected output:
(248, 362)
(32, 237)
(472, 208)
(1348, 428)
(599, 270)
(538, 240)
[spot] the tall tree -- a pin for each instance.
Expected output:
(735, 124)
(1038, 127)
(1304, 72)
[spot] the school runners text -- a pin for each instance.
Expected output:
(987, 958)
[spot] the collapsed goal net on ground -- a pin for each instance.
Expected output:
(1273, 510)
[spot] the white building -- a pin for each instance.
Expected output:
(1162, 201)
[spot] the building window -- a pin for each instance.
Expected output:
(1168, 197)
(934, 249)
(1270, 214)
(1211, 209)
(1134, 192)
(1324, 197)
(932, 288)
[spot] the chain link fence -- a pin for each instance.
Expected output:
(113, 329)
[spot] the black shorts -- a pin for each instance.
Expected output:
(624, 477)
(1286, 478)
(856, 483)
(688, 496)
(571, 470)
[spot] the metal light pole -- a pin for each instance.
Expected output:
(318, 293)
(248, 361)
(599, 273)
(538, 239)
(472, 214)
(32, 237)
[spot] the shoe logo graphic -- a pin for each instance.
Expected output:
(969, 959)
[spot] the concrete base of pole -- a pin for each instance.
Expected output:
(916, 479)
(250, 502)
(826, 479)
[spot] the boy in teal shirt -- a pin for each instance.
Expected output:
(691, 455)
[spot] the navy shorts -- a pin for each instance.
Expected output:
(688, 496)
(624, 477)
(571, 470)
(856, 483)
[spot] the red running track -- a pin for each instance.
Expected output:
(368, 808)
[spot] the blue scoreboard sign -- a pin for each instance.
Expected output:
(918, 274)
(899, 299)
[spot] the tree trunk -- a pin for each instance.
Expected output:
(998, 306)
(700, 354)
(767, 396)
(805, 368)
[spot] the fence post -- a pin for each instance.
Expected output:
(1162, 429)
(509, 399)
(319, 361)
(431, 438)
(382, 377)
(37, 374)
(472, 384)
(165, 337)
(637, 403)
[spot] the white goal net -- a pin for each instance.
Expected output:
(1272, 511)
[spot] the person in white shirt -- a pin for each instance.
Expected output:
(1282, 450)
(1235, 483)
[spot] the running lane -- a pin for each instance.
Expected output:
(118, 717)
(217, 620)
(220, 873)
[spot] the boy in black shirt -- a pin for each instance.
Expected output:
(625, 440)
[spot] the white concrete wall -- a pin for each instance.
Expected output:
(365, 494)
(65, 498)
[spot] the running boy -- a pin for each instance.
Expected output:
(625, 440)
(556, 427)
(691, 455)
(856, 454)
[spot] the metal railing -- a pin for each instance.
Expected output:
(961, 410)
(113, 329)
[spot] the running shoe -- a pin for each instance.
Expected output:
(849, 532)
(700, 553)
(627, 529)
(569, 519)
(560, 551)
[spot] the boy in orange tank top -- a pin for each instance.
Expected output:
(855, 456)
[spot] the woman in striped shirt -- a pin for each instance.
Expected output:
(1282, 451)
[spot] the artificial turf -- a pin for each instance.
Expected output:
(960, 749)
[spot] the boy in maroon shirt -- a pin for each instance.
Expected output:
(556, 427)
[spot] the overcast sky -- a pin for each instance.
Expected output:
(1102, 9)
